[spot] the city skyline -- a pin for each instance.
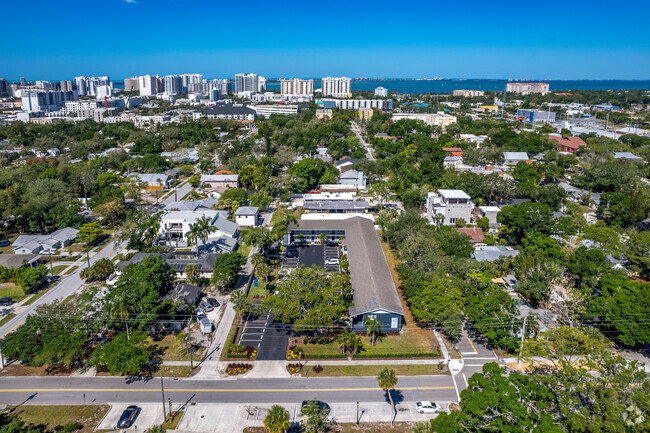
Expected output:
(553, 41)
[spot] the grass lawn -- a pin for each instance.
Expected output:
(56, 270)
(72, 269)
(51, 416)
(173, 420)
(171, 353)
(10, 290)
(177, 370)
(369, 370)
(259, 290)
(406, 342)
(281, 212)
(7, 318)
(244, 249)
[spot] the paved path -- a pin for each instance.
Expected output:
(357, 132)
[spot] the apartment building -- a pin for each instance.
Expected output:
(148, 85)
(338, 87)
(357, 104)
(439, 119)
(247, 83)
(468, 93)
(382, 92)
(528, 88)
(131, 84)
(46, 100)
(296, 86)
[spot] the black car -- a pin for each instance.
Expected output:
(212, 302)
(128, 416)
(5, 302)
(291, 253)
(309, 407)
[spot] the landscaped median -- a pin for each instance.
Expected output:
(314, 369)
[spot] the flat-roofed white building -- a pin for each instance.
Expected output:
(432, 119)
(451, 205)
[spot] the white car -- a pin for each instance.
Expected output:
(427, 407)
(331, 261)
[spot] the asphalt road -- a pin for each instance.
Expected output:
(357, 132)
(69, 284)
(99, 390)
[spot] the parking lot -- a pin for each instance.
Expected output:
(149, 416)
(270, 338)
(305, 256)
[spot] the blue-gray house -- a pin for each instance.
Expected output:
(374, 292)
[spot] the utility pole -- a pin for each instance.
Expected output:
(521, 346)
(189, 335)
(162, 390)
(2, 359)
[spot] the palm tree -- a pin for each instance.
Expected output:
(240, 302)
(200, 230)
(322, 238)
(277, 419)
(301, 238)
(120, 307)
(263, 270)
(257, 259)
(387, 380)
(439, 219)
(373, 326)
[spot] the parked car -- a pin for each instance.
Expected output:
(291, 254)
(311, 406)
(5, 302)
(427, 407)
(128, 416)
(331, 261)
(212, 302)
(199, 313)
(205, 306)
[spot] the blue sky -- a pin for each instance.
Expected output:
(457, 39)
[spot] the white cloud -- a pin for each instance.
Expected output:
(130, 1)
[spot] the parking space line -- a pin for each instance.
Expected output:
(465, 379)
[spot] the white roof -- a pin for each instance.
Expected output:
(626, 155)
(490, 208)
(515, 155)
(153, 177)
(453, 193)
(219, 177)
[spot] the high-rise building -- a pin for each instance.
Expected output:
(148, 85)
(45, 85)
(247, 83)
(5, 89)
(261, 84)
(173, 84)
(215, 95)
(66, 85)
(527, 88)
(382, 92)
(338, 87)
(131, 84)
(102, 92)
(296, 86)
(46, 100)
(88, 85)
(190, 79)
(23, 81)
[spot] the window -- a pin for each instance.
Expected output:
(371, 317)
(452, 220)
(394, 322)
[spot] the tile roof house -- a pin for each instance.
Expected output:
(569, 144)
(33, 244)
(374, 291)
(475, 233)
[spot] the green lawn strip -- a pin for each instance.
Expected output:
(7, 318)
(13, 291)
(176, 370)
(257, 291)
(363, 427)
(88, 416)
(56, 270)
(172, 420)
(244, 249)
(370, 370)
(35, 297)
(71, 270)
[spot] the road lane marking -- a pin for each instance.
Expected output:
(456, 388)
(465, 379)
(17, 325)
(414, 388)
(472, 344)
